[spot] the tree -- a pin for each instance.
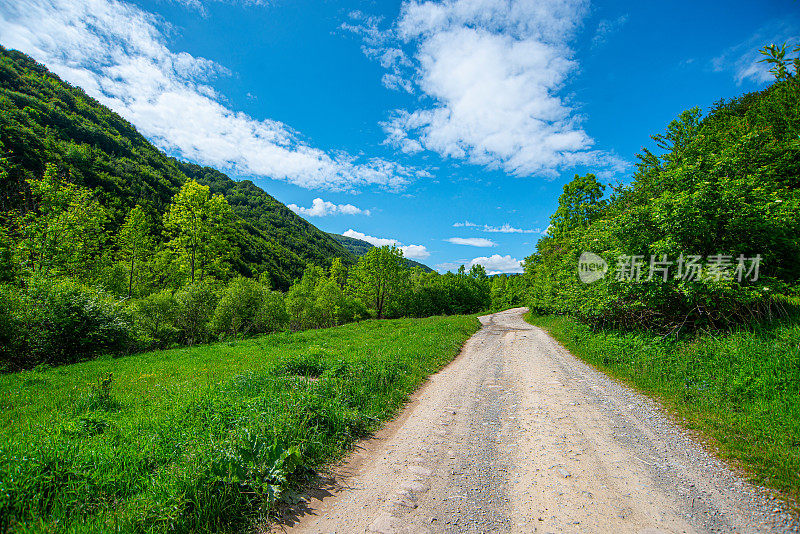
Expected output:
(134, 241)
(378, 277)
(64, 233)
(579, 205)
(238, 307)
(338, 272)
(199, 225)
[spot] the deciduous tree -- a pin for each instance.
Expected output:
(199, 226)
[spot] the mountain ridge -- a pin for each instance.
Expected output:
(46, 120)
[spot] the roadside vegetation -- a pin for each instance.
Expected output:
(720, 197)
(720, 349)
(207, 438)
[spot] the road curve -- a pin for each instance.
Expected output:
(517, 435)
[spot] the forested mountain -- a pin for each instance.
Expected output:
(358, 248)
(44, 120)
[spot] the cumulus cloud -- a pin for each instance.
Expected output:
(743, 60)
(472, 241)
(491, 73)
(415, 252)
(494, 264)
(118, 54)
(324, 208)
(504, 229)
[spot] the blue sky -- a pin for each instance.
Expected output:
(447, 127)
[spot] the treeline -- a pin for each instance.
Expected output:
(707, 234)
(73, 291)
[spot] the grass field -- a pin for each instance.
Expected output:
(741, 389)
(203, 438)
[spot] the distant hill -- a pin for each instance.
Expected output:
(46, 120)
(358, 247)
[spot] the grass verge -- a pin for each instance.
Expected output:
(206, 438)
(742, 389)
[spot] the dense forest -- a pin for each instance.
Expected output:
(108, 246)
(705, 236)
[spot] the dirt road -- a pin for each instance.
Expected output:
(517, 435)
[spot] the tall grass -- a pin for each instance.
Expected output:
(740, 388)
(204, 438)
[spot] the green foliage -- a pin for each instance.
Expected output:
(726, 184)
(202, 439)
(508, 291)
(61, 321)
(738, 388)
(271, 315)
(428, 294)
(238, 309)
(135, 243)
(317, 300)
(378, 278)
(49, 124)
(197, 303)
(199, 224)
(156, 317)
(578, 206)
(64, 233)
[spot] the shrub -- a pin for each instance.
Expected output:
(196, 305)
(272, 315)
(155, 319)
(13, 346)
(70, 322)
(238, 307)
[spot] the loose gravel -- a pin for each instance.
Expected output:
(517, 435)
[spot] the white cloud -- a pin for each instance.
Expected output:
(415, 252)
(495, 264)
(118, 54)
(508, 229)
(491, 72)
(324, 208)
(200, 5)
(743, 60)
(504, 229)
(607, 27)
(472, 241)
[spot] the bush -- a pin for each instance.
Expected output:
(69, 322)
(13, 348)
(238, 307)
(196, 305)
(155, 319)
(272, 315)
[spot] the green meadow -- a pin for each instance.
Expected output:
(205, 438)
(741, 389)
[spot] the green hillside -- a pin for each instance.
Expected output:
(44, 120)
(358, 248)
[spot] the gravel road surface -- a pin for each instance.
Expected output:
(517, 435)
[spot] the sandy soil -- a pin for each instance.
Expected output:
(517, 435)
